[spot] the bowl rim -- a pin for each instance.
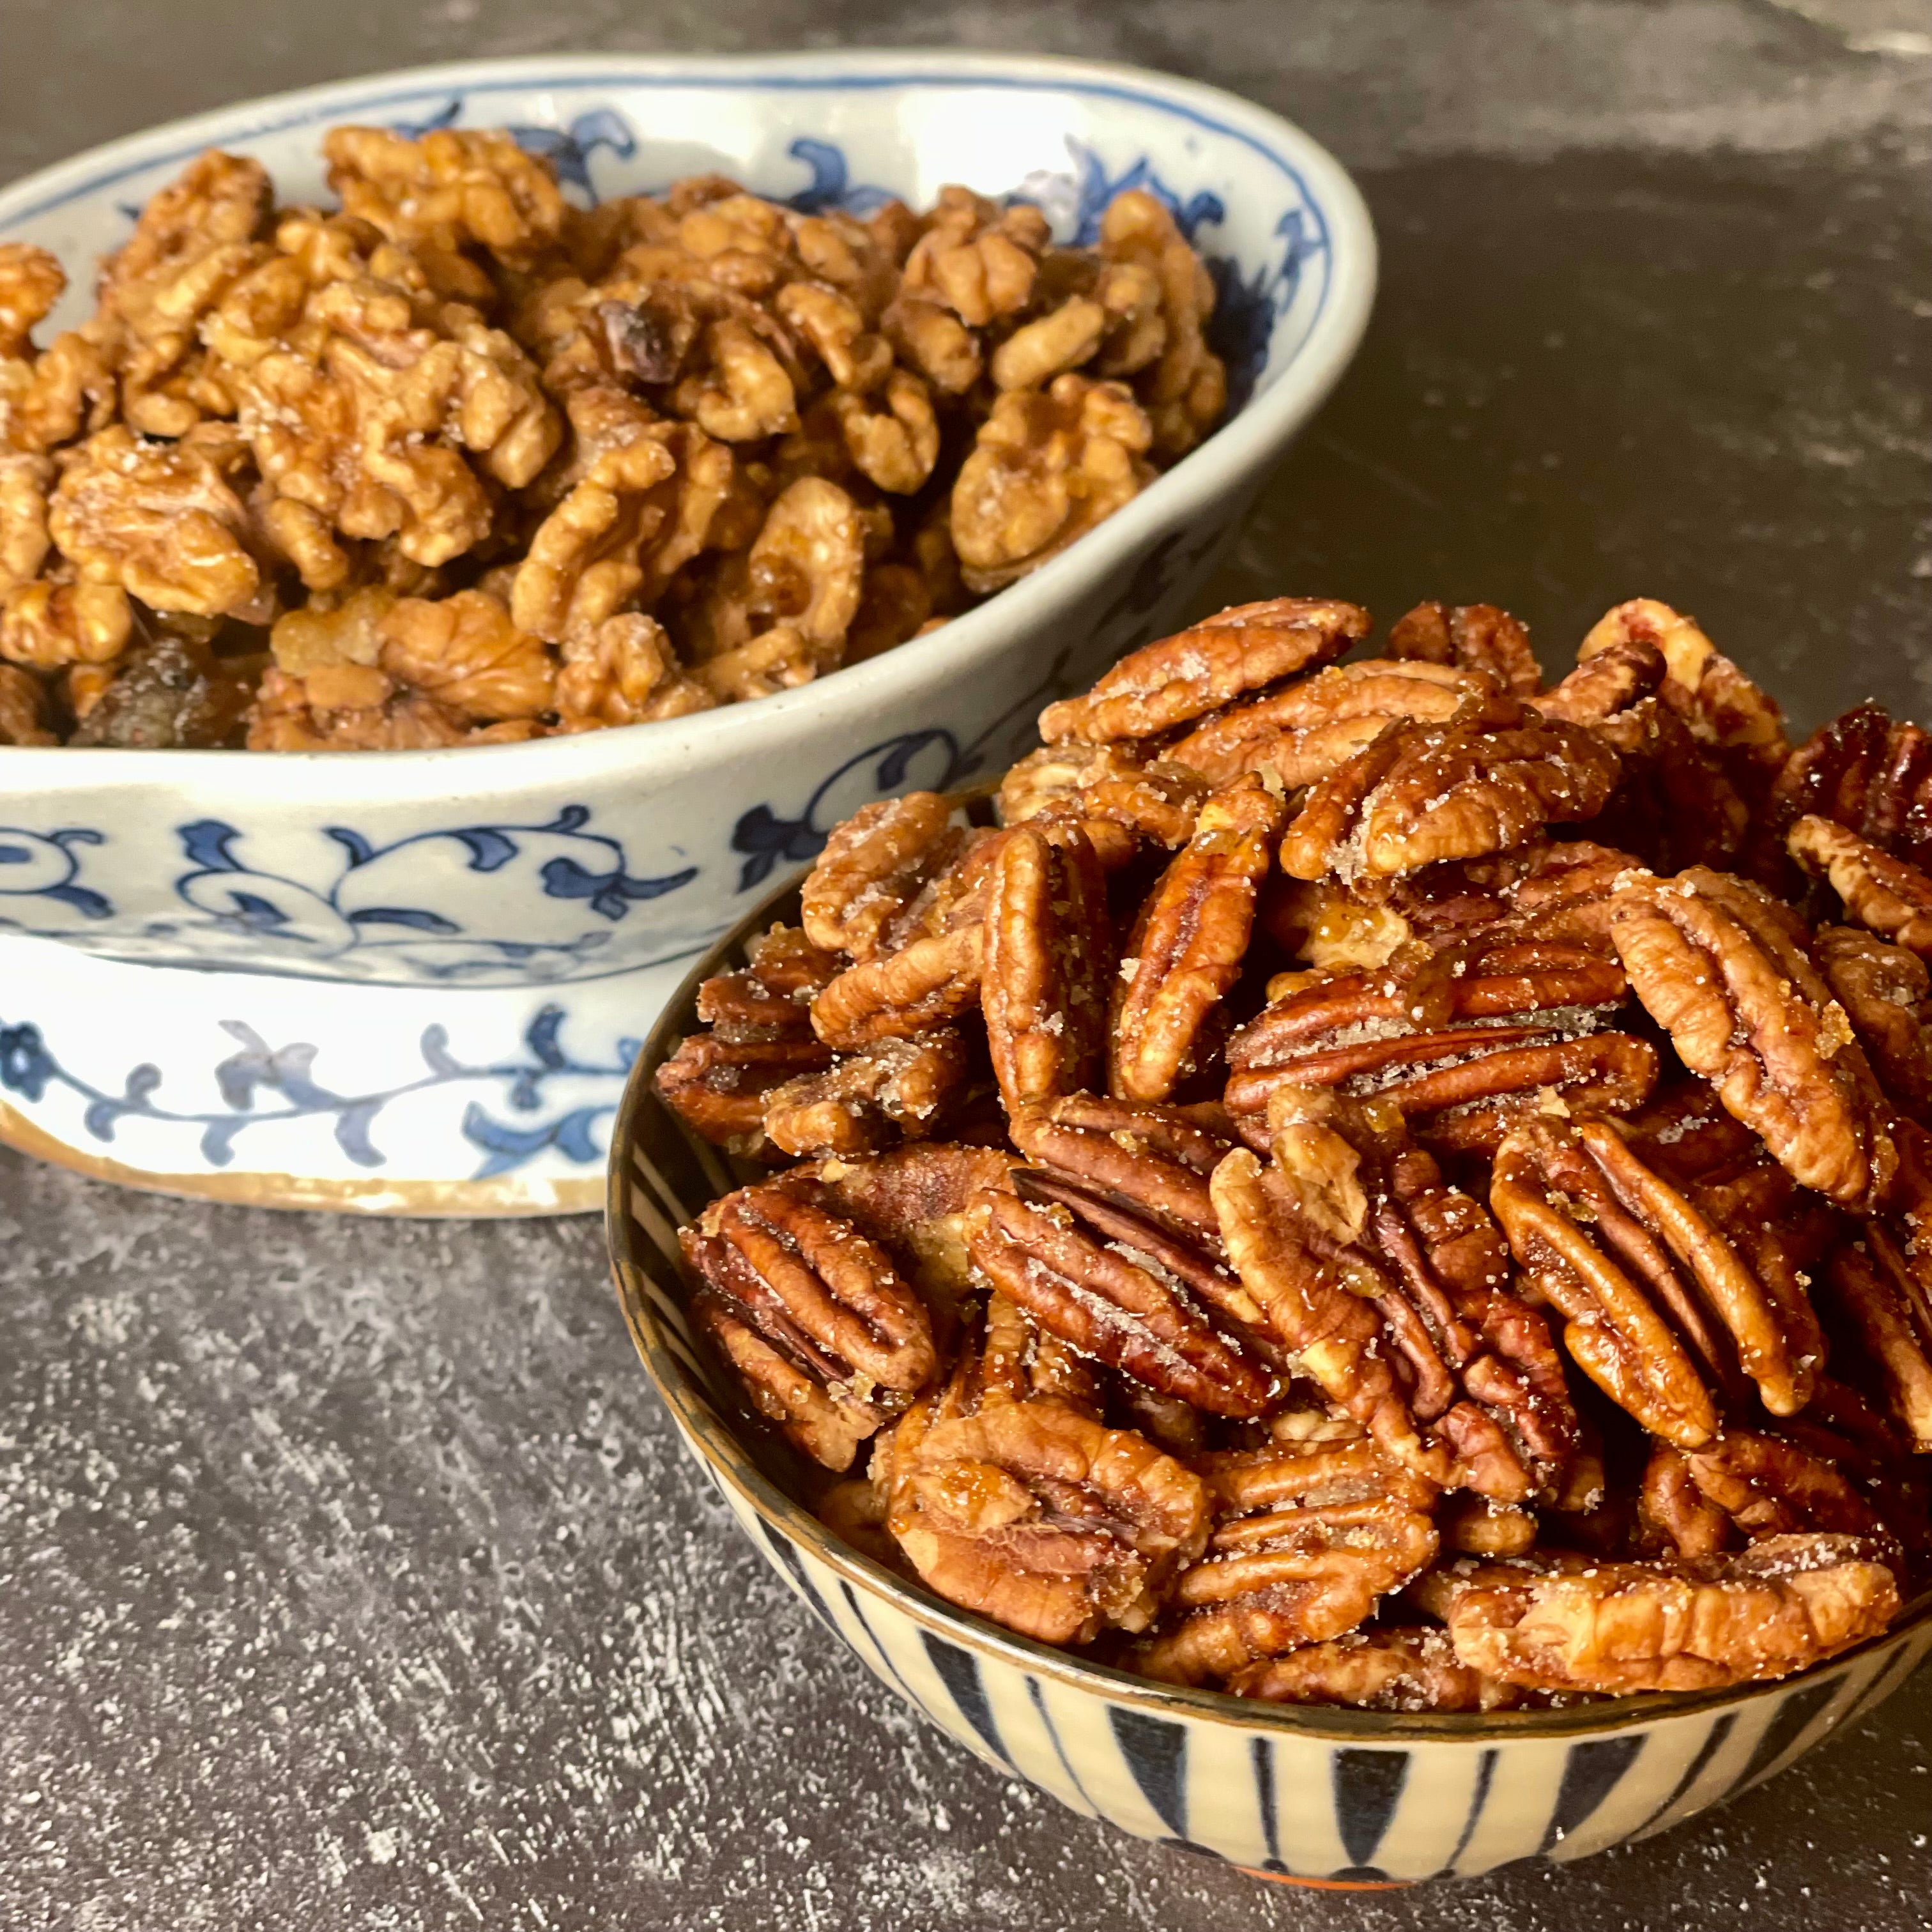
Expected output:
(1226, 460)
(705, 1432)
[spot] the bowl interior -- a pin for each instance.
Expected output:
(662, 1176)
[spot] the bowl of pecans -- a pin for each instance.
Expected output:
(652, 460)
(1335, 1275)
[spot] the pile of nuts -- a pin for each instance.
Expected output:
(462, 463)
(1376, 1183)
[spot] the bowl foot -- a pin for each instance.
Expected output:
(1329, 1884)
(272, 1091)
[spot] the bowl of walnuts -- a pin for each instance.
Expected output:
(484, 524)
(1336, 1274)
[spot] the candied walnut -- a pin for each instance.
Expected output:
(454, 188)
(623, 672)
(1884, 895)
(1051, 344)
(1472, 636)
(1049, 955)
(1185, 388)
(1310, 1536)
(978, 258)
(827, 1339)
(172, 692)
(1881, 1289)
(892, 433)
(874, 866)
(465, 652)
(855, 359)
(47, 626)
(24, 481)
(1122, 1291)
(1723, 707)
(1660, 1305)
(1396, 1670)
(1314, 726)
(930, 339)
(160, 521)
(1785, 1603)
(1742, 1485)
(806, 567)
(1464, 1037)
(1718, 963)
(1492, 777)
(22, 708)
(1867, 773)
(1886, 992)
(31, 281)
(745, 391)
(865, 1100)
(779, 659)
(1176, 680)
(1047, 465)
(355, 708)
(1033, 1514)
(1185, 952)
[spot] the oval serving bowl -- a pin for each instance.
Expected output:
(431, 960)
(1338, 1798)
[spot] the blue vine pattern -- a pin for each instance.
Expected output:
(28, 1069)
(37, 865)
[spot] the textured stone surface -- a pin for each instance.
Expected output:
(349, 1577)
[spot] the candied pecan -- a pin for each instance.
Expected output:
(1034, 1515)
(623, 672)
(1881, 1288)
(1310, 1536)
(1658, 1302)
(47, 626)
(932, 980)
(1122, 1291)
(172, 691)
(1185, 387)
(454, 187)
(873, 866)
(1473, 637)
(1047, 465)
(22, 708)
(1008, 1356)
(1279, 1230)
(1867, 773)
(1173, 682)
(1763, 1613)
(1718, 965)
(1395, 1669)
(978, 258)
(1463, 1037)
(1884, 895)
(828, 1340)
(865, 1100)
(160, 521)
(1886, 992)
(1107, 790)
(1474, 1525)
(1492, 777)
(1048, 956)
(1314, 725)
(1185, 952)
(1742, 1485)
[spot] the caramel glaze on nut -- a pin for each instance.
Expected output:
(1373, 1182)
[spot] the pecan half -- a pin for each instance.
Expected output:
(1120, 802)
(1884, 895)
(1464, 1038)
(1153, 1160)
(1659, 1303)
(864, 1101)
(1867, 773)
(1311, 1536)
(921, 986)
(873, 865)
(1185, 952)
(1042, 1519)
(1181, 678)
(1124, 1291)
(1886, 992)
(1317, 723)
(1881, 1288)
(1492, 777)
(1743, 1485)
(1785, 1603)
(828, 1340)
(1718, 963)
(1474, 637)
(1397, 1669)
(1048, 956)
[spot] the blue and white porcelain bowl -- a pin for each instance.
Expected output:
(1337, 1797)
(415, 978)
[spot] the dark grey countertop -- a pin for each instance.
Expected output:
(349, 1577)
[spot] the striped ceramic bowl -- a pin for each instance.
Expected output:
(1324, 1797)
